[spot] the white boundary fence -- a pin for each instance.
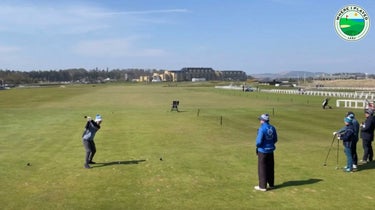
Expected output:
(356, 104)
(356, 100)
(355, 95)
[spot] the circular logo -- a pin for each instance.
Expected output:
(352, 23)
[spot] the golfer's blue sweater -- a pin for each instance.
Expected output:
(90, 130)
(266, 138)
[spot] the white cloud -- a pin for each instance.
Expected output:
(114, 48)
(67, 34)
(10, 56)
(8, 49)
(29, 19)
(70, 18)
(144, 12)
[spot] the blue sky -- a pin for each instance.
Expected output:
(255, 36)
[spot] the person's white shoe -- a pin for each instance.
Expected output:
(260, 189)
(354, 166)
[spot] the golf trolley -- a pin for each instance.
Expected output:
(335, 137)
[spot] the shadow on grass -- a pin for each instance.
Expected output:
(298, 183)
(178, 111)
(124, 162)
(367, 166)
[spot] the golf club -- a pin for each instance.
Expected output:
(329, 150)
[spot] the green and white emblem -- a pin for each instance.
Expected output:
(352, 23)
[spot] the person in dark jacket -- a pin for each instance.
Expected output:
(348, 137)
(265, 146)
(355, 123)
(367, 135)
(356, 134)
(92, 126)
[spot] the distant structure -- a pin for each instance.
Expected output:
(192, 73)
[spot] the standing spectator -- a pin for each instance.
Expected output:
(354, 143)
(367, 135)
(348, 137)
(92, 126)
(265, 146)
(355, 123)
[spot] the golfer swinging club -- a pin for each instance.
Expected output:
(92, 126)
(325, 103)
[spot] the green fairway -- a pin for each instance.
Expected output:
(207, 150)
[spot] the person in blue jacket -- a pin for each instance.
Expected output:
(265, 146)
(92, 126)
(348, 137)
(355, 123)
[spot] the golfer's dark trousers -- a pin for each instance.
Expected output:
(266, 171)
(90, 150)
(367, 149)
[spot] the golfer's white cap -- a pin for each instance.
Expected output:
(264, 117)
(98, 118)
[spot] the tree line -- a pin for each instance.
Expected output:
(71, 75)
